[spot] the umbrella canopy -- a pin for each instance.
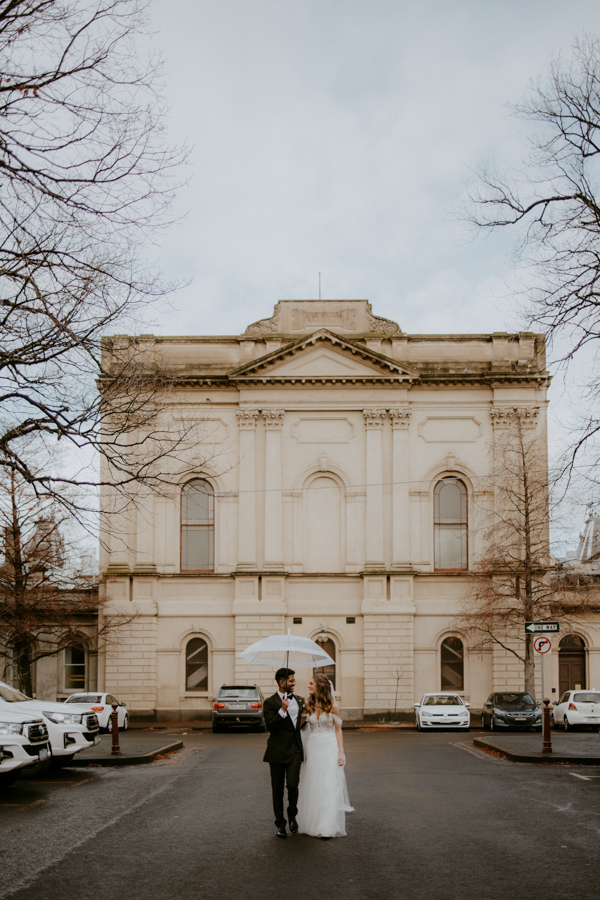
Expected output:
(285, 650)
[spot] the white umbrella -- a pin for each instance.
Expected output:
(283, 649)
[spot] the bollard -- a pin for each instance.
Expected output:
(547, 745)
(114, 716)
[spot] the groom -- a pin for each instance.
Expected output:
(283, 718)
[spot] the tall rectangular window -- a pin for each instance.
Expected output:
(197, 527)
(74, 669)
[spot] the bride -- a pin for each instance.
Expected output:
(323, 800)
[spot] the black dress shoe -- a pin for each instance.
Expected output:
(293, 826)
(281, 832)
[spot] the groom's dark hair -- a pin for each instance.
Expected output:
(283, 674)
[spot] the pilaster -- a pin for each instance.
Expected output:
(401, 551)
(374, 419)
(273, 500)
(247, 489)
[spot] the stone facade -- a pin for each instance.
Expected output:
(325, 432)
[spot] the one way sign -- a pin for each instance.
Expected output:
(532, 627)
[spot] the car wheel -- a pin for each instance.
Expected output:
(492, 723)
(483, 725)
(552, 722)
(567, 725)
(125, 725)
(216, 728)
(418, 725)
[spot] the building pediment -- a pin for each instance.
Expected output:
(323, 357)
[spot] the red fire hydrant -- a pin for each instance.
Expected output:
(114, 717)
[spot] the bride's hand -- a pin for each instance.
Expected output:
(341, 759)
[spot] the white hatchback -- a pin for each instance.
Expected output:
(577, 708)
(442, 710)
(102, 706)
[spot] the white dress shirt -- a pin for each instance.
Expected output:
(292, 710)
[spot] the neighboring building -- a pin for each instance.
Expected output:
(342, 504)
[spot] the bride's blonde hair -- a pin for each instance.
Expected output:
(322, 695)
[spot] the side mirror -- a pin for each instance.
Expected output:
(554, 703)
(467, 704)
(122, 704)
(488, 704)
(417, 704)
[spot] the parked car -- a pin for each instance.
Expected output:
(442, 710)
(511, 709)
(23, 742)
(576, 709)
(238, 705)
(102, 706)
(69, 731)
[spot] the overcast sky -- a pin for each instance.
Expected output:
(338, 136)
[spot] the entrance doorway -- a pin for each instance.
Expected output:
(571, 664)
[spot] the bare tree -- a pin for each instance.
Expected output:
(48, 601)
(516, 580)
(85, 183)
(554, 204)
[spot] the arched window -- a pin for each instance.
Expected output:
(196, 665)
(450, 525)
(453, 665)
(197, 527)
(329, 647)
(74, 668)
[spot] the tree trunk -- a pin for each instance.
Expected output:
(529, 665)
(23, 661)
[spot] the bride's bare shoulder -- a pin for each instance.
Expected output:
(335, 709)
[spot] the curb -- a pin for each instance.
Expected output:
(544, 758)
(125, 760)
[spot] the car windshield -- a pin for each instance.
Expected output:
(249, 693)
(10, 695)
(84, 698)
(441, 700)
(515, 701)
(586, 697)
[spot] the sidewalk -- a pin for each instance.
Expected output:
(137, 748)
(580, 748)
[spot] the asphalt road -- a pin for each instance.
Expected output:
(434, 819)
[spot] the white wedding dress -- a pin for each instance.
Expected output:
(323, 801)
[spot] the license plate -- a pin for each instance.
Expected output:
(237, 706)
(96, 739)
(520, 719)
(43, 754)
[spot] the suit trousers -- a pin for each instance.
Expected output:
(280, 773)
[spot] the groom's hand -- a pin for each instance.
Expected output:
(284, 704)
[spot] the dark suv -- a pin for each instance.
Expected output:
(238, 705)
(511, 709)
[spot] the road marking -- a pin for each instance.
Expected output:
(583, 777)
(479, 753)
(37, 803)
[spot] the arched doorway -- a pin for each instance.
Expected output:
(571, 664)
(329, 647)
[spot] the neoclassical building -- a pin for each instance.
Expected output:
(335, 494)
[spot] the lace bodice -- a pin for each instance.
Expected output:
(324, 724)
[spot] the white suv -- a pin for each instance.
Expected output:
(69, 731)
(23, 741)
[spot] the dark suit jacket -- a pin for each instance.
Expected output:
(285, 741)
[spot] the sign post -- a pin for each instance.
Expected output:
(541, 646)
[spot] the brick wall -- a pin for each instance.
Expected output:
(131, 662)
(248, 630)
(389, 646)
